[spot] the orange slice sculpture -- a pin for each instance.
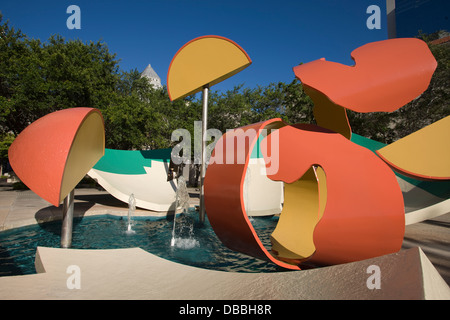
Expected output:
(352, 207)
(55, 152)
(203, 61)
(224, 188)
(342, 203)
(387, 75)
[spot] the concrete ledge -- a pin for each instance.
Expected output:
(136, 274)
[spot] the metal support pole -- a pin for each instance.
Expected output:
(66, 229)
(203, 167)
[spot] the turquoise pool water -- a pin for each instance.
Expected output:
(195, 245)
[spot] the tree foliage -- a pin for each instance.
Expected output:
(242, 106)
(37, 78)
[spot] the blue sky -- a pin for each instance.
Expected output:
(277, 35)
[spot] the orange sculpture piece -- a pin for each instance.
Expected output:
(362, 212)
(387, 75)
(224, 185)
(355, 210)
(64, 146)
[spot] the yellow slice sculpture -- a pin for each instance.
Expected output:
(424, 154)
(203, 61)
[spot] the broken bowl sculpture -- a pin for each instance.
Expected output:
(142, 173)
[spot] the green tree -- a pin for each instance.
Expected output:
(298, 105)
(14, 52)
(38, 78)
(242, 106)
(6, 140)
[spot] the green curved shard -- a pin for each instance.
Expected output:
(131, 161)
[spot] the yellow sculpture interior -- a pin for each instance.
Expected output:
(304, 204)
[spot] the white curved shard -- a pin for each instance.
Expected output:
(429, 212)
(262, 196)
(421, 205)
(151, 190)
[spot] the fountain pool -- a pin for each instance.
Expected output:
(196, 245)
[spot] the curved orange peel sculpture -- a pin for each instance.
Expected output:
(55, 152)
(205, 60)
(357, 209)
(342, 203)
(224, 185)
(387, 75)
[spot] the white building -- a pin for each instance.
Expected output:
(152, 77)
